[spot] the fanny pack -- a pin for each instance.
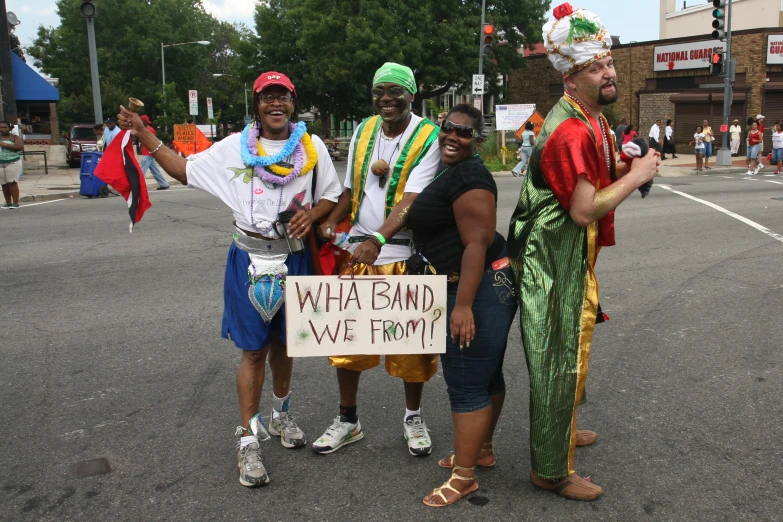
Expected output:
(267, 272)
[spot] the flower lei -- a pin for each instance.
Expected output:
(264, 166)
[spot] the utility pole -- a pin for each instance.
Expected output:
(724, 154)
(477, 99)
(9, 94)
(88, 10)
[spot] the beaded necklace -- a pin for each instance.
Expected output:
(603, 132)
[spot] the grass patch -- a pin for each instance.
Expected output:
(490, 153)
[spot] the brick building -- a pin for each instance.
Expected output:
(669, 79)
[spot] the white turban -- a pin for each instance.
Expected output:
(575, 39)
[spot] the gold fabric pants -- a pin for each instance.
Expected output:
(409, 368)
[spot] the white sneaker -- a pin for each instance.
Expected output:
(252, 473)
(757, 169)
(284, 426)
(749, 173)
(418, 437)
(338, 435)
(761, 166)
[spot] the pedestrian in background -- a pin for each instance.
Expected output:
(735, 131)
(760, 122)
(618, 132)
(98, 130)
(707, 130)
(754, 140)
(655, 135)
(698, 142)
(629, 133)
(441, 117)
(110, 132)
(668, 140)
(777, 147)
(525, 148)
(147, 161)
(10, 165)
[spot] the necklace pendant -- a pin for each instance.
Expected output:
(380, 168)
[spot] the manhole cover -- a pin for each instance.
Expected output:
(90, 467)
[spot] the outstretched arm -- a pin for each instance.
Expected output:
(173, 164)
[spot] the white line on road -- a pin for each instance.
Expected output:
(745, 220)
(728, 177)
(775, 182)
(42, 203)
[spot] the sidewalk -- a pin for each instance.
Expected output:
(63, 182)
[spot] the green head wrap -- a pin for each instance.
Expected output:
(391, 72)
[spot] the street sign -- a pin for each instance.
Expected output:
(477, 102)
(478, 84)
(185, 133)
(210, 114)
(538, 122)
(193, 101)
(510, 117)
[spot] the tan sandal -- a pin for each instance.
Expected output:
(482, 462)
(447, 485)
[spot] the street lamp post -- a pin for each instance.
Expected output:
(218, 75)
(163, 61)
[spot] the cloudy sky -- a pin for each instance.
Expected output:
(642, 26)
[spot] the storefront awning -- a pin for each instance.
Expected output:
(29, 85)
(690, 97)
(773, 86)
(736, 97)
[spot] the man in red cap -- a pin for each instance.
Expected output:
(268, 169)
(147, 161)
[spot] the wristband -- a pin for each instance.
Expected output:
(379, 237)
(156, 148)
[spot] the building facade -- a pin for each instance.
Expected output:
(670, 79)
(678, 19)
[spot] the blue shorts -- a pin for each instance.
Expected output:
(241, 321)
(753, 151)
(708, 149)
(777, 155)
(475, 373)
(699, 150)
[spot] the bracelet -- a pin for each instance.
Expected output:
(374, 240)
(379, 237)
(156, 148)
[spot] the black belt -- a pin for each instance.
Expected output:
(392, 241)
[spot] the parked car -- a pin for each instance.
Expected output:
(80, 138)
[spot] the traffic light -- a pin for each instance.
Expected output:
(87, 8)
(716, 61)
(488, 34)
(719, 22)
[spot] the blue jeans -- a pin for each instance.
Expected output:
(475, 373)
(753, 152)
(777, 155)
(708, 149)
(526, 152)
(149, 163)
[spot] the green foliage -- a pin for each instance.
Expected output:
(331, 48)
(315, 127)
(128, 37)
(611, 115)
(433, 108)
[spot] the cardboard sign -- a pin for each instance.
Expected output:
(538, 122)
(368, 315)
(510, 117)
(184, 133)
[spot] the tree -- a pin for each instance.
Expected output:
(331, 48)
(128, 36)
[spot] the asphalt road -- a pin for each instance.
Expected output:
(111, 348)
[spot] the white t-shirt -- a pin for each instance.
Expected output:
(220, 171)
(655, 132)
(698, 140)
(372, 211)
(777, 140)
(669, 132)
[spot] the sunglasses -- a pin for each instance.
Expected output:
(462, 131)
(284, 99)
(394, 92)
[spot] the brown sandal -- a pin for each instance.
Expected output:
(573, 487)
(585, 437)
(486, 458)
(447, 485)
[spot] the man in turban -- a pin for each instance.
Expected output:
(565, 214)
(393, 156)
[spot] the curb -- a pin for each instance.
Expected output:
(48, 197)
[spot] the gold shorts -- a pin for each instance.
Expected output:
(410, 368)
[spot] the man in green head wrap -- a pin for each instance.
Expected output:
(393, 156)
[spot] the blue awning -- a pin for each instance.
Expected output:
(29, 85)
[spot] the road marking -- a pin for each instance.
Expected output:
(769, 175)
(745, 220)
(775, 182)
(42, 203)
(728, 177)
(750, 179)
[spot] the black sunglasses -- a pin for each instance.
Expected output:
(394, 92)
(463, 131)
(284, 99)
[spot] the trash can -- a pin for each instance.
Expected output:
(89, 184)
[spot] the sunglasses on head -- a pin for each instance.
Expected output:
(463, 131)
(394, 92)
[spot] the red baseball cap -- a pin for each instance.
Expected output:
(273, 78)
(145, 119)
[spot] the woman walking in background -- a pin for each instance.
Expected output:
(526, 148)
(735, 131)
(668, 140)
(629, 133)
(698, 141)
(754, 139)
(777, 147)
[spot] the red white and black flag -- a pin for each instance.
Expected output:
(118, 167)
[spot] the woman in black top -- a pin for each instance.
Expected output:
(453, 222)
